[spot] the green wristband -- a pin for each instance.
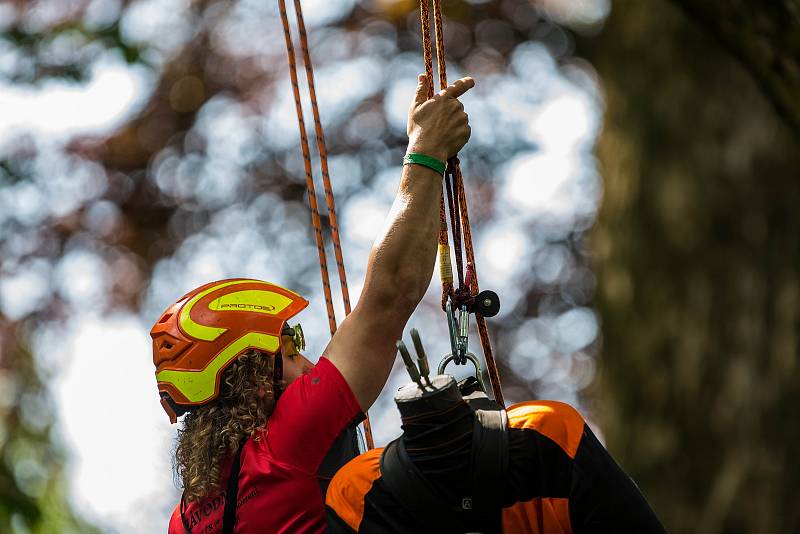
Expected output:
(426, 161)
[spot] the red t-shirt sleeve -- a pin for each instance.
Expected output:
(309, 416)
(175, 525)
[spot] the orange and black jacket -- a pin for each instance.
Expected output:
(560, 479)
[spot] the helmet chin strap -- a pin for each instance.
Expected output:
(277, 375)
(288, 348)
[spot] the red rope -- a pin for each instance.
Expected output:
(312, 195)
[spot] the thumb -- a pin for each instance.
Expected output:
(422, 90)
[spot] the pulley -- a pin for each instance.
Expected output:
(487, 304)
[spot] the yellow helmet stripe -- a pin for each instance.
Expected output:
(199, 331)
(198, 386)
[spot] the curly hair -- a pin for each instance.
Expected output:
(213, 431)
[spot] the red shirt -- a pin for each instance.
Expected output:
(278, 489)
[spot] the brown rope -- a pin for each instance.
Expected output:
(459, 212)
(312, 195)
(445, 265)
(440, 61)
(323, 158)
(311, 189)
(483, 331)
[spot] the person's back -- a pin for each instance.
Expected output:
(446, 474)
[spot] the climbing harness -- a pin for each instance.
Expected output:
(489, 451)
(488, 465)
(466, 298)
(326, 181)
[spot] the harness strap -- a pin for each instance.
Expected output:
(232, 493)
(489, 467)
(183, 517)
(231, 496)
(407, 482)
(489, 456)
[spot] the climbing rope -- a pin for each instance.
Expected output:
(323, 158)
(457, 204)
(326, 181)
(445, 266)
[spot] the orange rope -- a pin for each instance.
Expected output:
(483, 331)
(445, 265)
(312, 192)
(461, 219)
(323, 158)
(312, 195)
(440, 61)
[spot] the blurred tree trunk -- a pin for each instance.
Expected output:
(765, 37)
(697, 262)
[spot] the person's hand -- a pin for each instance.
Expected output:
(438, 127)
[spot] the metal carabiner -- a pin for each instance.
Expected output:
(452, 327)
(468, 356)
(459, 332)
(463, 335)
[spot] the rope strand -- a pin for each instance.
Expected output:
(440, 60)
(323, 158)
(457, 200)
(312, 195)
(483, 330)
(310, 188)
(445, 265)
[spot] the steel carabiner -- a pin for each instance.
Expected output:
(468, 356)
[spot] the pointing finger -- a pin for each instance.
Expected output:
(459, 87)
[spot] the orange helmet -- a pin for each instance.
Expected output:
(199, 336)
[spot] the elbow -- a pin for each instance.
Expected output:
(411, 288)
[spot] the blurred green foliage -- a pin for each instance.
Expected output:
(33, 488)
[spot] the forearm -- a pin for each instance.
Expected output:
(401, 262)
(398, 273)
(403, 257)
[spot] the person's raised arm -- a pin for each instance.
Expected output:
(402, 259)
